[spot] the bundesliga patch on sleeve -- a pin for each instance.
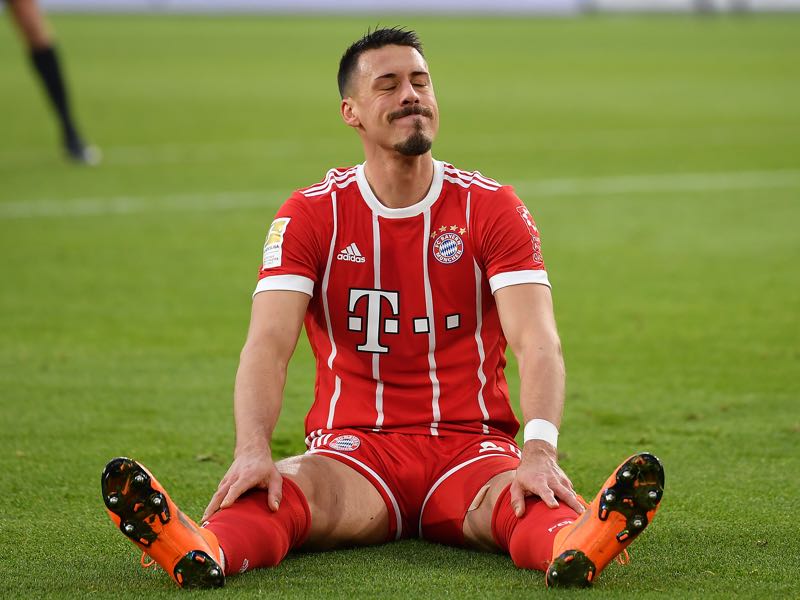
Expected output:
(273, 246)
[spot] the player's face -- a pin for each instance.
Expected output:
(391, 101)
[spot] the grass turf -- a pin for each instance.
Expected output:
(125, 289)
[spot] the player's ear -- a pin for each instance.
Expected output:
(348, 111)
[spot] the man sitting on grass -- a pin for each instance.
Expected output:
(411, 277)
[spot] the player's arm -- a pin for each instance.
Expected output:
(275, 323)
(526, 315)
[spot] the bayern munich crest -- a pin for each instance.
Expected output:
(448, 247)
(345, 443)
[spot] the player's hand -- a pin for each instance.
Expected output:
(539, 474)
(248, 471)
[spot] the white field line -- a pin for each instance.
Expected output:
(544, 188)
(120, 205)
(666, 182)
(172, 154)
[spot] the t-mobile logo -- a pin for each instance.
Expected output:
(373, 327)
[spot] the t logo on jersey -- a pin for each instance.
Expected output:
(375, 299)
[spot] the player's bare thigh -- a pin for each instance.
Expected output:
(346, 509)
(478, 521)
(31, 23)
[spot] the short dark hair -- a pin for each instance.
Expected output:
(372, 40)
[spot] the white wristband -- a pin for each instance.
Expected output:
(540, 429)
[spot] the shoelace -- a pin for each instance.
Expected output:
(145, 562)
(623, 557)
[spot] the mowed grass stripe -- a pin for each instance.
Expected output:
(200, 152)
(229, 200)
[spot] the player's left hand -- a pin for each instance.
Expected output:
(539, 474)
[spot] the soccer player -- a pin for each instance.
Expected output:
(411, 276)
(37, 35)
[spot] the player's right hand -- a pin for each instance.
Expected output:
(540, 475)
(248, 471)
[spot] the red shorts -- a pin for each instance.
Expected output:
(427, 482)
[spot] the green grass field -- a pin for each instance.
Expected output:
(661, 158)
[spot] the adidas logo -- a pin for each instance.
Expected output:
(351, 254)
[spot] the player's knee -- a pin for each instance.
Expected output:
(252, 535)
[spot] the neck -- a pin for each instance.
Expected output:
(399, 181)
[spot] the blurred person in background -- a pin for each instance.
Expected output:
(37, 35)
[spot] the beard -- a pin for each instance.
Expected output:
(415, 144)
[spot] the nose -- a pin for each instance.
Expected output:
(409, 94)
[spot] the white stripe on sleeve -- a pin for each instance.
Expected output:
(293, 283)
(502, 280)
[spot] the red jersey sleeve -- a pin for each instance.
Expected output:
(292, 250)
(507, 240)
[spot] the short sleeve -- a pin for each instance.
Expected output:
(292, 253)
(507, 240)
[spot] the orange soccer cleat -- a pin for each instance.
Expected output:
(625, 505)
(143, 511)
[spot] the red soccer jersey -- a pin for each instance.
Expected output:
(402, 320)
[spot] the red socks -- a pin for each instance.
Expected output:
(252, 536)
(529, 540)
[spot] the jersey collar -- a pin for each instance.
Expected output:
(408, 211)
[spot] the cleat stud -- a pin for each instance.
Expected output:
(637, 523)
(129, 528)
(553, 573)
(652, 494)
(156, 501)
(610, 497)
(626, 474)
(113, 500)
(138, 479)
(198, 570)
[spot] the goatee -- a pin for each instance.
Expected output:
(415, 145)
